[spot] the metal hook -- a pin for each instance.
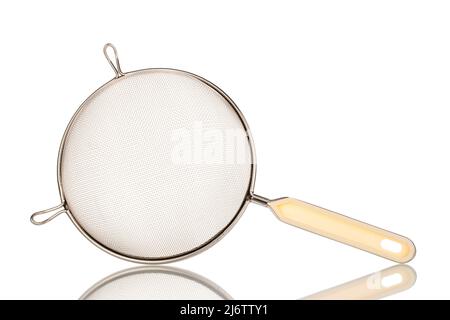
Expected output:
(116, 66)
(38, 223)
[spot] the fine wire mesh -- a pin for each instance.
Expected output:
(121, 181)
(156, 285)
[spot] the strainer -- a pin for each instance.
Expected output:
(158, 164)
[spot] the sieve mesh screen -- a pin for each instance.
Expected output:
(155, 164)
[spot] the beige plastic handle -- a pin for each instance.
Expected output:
(371, 287)
(344, 229)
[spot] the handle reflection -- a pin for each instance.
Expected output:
(371, 287)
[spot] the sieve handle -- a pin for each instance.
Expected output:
(343, 229)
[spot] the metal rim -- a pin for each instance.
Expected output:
(154, 269)
(207, 244)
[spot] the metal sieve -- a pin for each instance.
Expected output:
(158, 164)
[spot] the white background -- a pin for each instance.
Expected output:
(348, 102)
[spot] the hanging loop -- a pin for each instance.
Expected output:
(50, 218)
(116, 64)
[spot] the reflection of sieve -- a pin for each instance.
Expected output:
(155, 283)
(167, 283)
(158, 164)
